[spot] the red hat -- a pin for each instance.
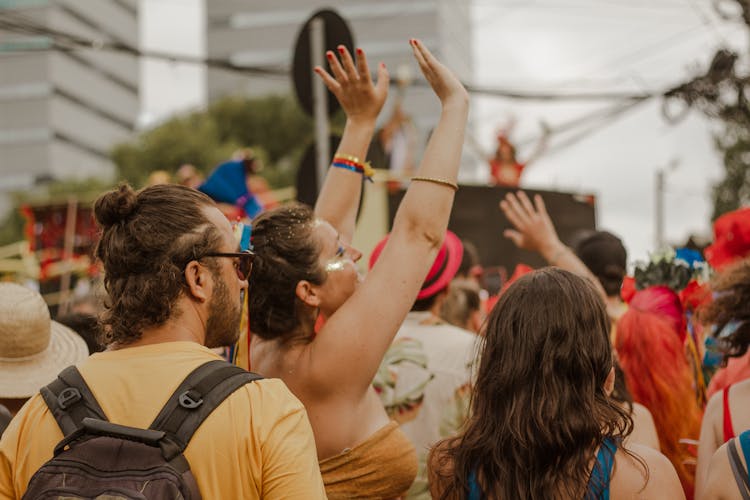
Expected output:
(731, 238)
(446, 264)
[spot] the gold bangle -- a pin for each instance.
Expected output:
(434, 180)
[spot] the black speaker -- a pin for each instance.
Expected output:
(476, 217)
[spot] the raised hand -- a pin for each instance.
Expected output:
(442, 80)
(533, 228)
(352, 84)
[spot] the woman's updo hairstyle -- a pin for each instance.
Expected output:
(286, 253)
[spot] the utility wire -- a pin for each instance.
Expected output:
(63, 41)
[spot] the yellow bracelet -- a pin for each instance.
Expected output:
(434, 180)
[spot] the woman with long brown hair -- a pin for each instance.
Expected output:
(542, 422)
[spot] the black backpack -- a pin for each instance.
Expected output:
(100, 459)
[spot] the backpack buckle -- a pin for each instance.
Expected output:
(190, 400)
(68, 397)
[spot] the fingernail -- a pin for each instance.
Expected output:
(382, 64)
(329, 54)
(341, 49)
(359, 51)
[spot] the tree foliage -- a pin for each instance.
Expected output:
(720, 93)
(274, 126)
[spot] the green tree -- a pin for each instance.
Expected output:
(733, 191)
(274, 126)
(185, 139)
(720, 93)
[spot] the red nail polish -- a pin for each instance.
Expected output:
(341, 49)
(359, 51)
(329, 54)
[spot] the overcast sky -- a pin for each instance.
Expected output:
(556, 46)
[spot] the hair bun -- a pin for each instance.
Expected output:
(115, 206)
(613, 271)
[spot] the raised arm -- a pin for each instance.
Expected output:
(357, 336)
(362, 101)
(534, 231)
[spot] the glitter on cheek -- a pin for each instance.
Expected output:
(335, 265)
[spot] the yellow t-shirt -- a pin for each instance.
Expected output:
(257, 444)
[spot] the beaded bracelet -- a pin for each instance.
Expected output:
(354, 164)
(435, 180)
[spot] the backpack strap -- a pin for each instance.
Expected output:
(70, 400)
(195, 399)
(740, 474)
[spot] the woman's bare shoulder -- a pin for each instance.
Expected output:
(643, 471)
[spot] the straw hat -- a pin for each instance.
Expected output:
(444, 267)
(33, 348)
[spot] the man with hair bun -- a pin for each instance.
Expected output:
(174, 277)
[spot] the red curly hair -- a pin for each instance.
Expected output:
(651, 352)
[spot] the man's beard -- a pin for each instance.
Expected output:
(223, 324)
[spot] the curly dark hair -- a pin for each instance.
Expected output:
(285, 253)
(147, 239)
(539, 407)
(731, 303)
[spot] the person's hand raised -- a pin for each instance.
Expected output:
(444, 83)
(352, 84)
(533, 228)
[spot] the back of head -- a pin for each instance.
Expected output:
(462, 301)
(729, 311)
(147, 239)
(663, 302)
(540, 407)
(286, 252)
(606, 257)
(471, 264)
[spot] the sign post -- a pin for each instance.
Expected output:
(324, 30)
(320, 101)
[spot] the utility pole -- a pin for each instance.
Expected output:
(320, 101)
(659, 212)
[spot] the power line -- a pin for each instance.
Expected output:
(63, 41)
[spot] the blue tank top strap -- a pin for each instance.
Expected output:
(598, 487)
(475, 492)
(745, 444)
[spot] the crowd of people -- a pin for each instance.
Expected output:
(577, 381)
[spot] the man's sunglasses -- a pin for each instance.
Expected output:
(243, 265)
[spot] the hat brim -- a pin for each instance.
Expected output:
(23, 377)
(455, 253)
